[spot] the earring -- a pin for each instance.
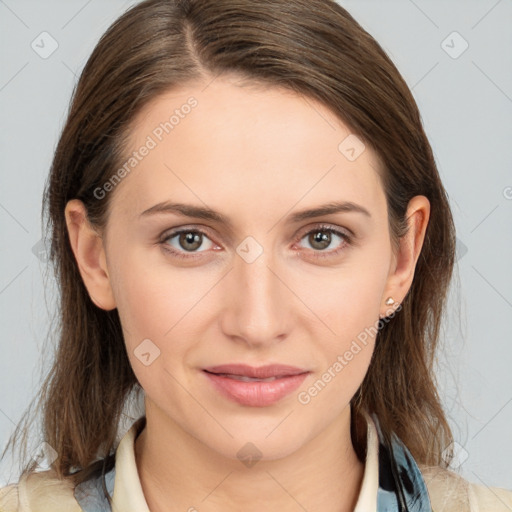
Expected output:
(390, 302)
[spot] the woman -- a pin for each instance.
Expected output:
(249, 228)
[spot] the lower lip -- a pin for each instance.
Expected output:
(256, 394)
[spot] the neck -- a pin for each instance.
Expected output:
(178, 472)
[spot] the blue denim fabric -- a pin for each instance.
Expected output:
(90, 495)
(401, 485)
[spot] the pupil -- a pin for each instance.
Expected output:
(321, 238)
(193, 239)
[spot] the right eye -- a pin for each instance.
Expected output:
(183, 241)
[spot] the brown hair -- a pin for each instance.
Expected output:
(314, 48)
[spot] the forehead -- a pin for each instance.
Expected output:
(223, 143)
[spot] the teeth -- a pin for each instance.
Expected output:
(244, 378)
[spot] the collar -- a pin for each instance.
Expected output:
(392, 481)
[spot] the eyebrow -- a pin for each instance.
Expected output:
(206, 213)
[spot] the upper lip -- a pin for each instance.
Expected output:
(260, 372)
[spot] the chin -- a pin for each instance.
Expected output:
(260, 441)
(250, 451)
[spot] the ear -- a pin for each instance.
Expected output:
(87, 246)
(404, 262)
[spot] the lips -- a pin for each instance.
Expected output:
(261, 372)
(256, 387)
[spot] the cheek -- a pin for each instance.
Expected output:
(151, 298)
(351, 312)
(152, 309)
(164, 305)
(350, 299)
(349, 305)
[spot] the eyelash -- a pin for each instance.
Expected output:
(347, 241)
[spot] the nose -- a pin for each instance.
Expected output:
(258, 306)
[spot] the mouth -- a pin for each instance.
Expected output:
(245, 378)
(262, 372)
(255, 387)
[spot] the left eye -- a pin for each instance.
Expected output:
(321, 238)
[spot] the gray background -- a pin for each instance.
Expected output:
(466, 103)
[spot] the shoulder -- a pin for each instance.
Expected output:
(40, 492)
(449, 492)
(9, 500)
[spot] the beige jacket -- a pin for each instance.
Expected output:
(448, 492)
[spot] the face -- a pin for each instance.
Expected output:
(241, 273)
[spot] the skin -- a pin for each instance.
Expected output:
(257, 155)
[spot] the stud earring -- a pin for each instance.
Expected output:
(390, 301)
